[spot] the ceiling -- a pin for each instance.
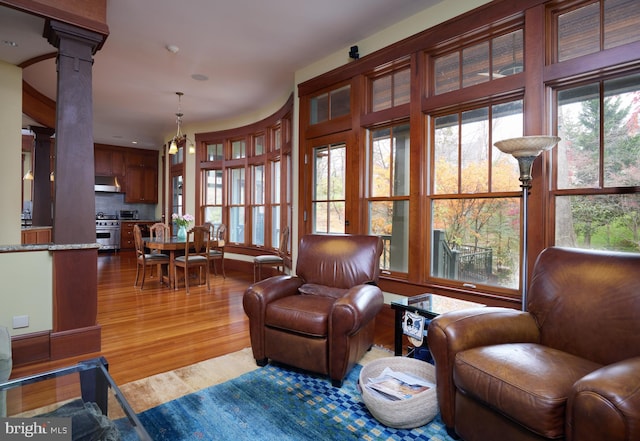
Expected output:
(233, 57)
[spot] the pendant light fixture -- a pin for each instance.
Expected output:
(180, 137)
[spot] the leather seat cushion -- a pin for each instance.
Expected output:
(526, 382)
(302, 314)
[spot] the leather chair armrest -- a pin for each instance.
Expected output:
(259, 295)
(457, 331)
(255, 301)
(356, 308)
(605, 404)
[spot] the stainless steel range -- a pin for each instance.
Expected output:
(108, 231)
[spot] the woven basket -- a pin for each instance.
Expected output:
(402, 414)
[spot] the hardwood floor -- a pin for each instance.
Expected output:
(160, 329)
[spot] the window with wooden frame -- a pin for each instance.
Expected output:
(390, 89)
(478, 62)
(241, 180)
(330, 105)
(475, 204)
(593, 26)
(597, 175)
(388, 194)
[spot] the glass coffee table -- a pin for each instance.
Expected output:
(80, 401)
(428, 306)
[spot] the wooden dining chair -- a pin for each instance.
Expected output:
(217, 249)
(159, 232)
(272, 260)
(196, 255)
(144, 259)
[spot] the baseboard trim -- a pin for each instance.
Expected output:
(75, 342)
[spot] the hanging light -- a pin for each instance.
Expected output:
(28, 176)
(180, 137)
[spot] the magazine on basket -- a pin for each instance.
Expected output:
(394, 385)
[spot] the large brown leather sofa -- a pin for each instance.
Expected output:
(321, 320)
(566, 369)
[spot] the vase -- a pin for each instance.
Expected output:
(182, 233)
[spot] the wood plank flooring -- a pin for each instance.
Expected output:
(158, 329)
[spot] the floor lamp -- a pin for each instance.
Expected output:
(526, 149)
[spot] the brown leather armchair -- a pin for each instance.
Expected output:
(566, 369)
(321, 320)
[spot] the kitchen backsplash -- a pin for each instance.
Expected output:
(112, 203)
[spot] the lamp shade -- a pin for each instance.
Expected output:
(527, 145)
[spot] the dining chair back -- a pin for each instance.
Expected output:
(272, 260)
(219, 237)
(196, 255)
(144, 259)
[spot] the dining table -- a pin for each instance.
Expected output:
(171, 244)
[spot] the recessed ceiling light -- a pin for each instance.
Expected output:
(172, 48)
(199, 77)
(9, 43)
(134, 142)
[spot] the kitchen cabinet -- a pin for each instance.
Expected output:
(127, 241)
(35, 235)
(141, 182)
(109, 161)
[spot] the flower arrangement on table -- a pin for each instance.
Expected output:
(182, 221)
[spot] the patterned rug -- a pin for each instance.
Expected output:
(276, 403)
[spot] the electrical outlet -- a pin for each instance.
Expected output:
(20, 321)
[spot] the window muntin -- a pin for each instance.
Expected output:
(390, 90)
(596, 26)
(389, 159)
(330, 105)
(475, 216)
(489, 60)
(329, 179)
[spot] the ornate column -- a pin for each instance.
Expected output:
(75, 275)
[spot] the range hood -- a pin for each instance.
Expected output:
(107, 184)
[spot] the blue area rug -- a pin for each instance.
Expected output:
(276, 403)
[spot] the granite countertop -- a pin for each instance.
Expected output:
(48, 247)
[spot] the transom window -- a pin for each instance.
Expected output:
(595, 26)
(489, 60)
(330, 105)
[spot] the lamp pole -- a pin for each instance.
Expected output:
(526, 149)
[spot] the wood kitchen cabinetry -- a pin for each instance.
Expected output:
(127, 242)
(142, 177)
(35, 235)
(109, 161)
(136, 170)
